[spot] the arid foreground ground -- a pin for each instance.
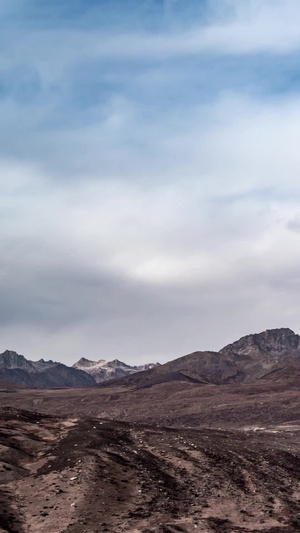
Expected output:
(76, 475)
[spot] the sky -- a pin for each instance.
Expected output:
(149, 175)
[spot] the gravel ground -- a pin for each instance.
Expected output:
(77, 475)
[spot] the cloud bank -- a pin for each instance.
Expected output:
(149, 176)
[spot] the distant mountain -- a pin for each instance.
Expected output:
(107, 370)
(15, 368)
(267, 355)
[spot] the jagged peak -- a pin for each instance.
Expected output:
(118, 362)
(11, 359)
(84, 360)
(11, 353)
(277, 339)
(86, 363)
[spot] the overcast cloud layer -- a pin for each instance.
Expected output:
(149, 175)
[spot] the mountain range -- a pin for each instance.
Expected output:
(15, 368)
(271, 355)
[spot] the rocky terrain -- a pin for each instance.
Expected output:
(107, 370)
(93, 475)
(209, 442)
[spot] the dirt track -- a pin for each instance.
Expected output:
(65, 475)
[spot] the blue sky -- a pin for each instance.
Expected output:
(149, 174)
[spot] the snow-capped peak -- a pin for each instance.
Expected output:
(106, 370)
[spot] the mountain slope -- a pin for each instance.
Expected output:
(261, 355)
(251, 358)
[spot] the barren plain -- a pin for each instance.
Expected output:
(185, 458)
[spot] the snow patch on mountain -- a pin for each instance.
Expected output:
(107, 370)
